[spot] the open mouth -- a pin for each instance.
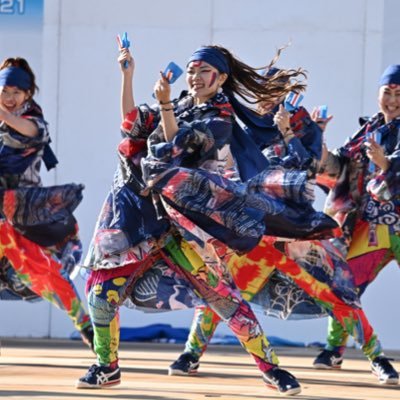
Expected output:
(8, 107)
(392, 111)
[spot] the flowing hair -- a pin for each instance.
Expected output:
(253, 87)
(23, 64)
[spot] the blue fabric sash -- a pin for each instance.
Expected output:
(248, 156)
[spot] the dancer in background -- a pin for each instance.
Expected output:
(293, 142)
(249, 275)
(39, 244)
(364, 198)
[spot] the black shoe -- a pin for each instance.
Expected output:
(186, 364)
(328, 359)
(282, 381)
(385, 372)
(99, 376)
(87, 336)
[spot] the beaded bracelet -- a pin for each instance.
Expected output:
(166, 109)
(165, 102)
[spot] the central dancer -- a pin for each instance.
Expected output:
(170, 204)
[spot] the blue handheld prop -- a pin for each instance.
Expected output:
(292, 101)
(323, 112)
(377, 137)
(172, 72)
(124, 43)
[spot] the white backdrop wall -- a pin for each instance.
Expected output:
(344, 45)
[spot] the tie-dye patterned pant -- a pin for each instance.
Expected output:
(266, 259)
(41, 273)
(365, 268)
(213, 285)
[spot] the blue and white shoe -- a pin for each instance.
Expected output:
(383, 369)
(282, 381)
(328, 359)
(186, 364)
(99, 376)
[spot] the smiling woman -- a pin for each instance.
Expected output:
(365, 201)
(17, 87)
(389, 101)
(39, 243)
(203, 81)
(12, 97)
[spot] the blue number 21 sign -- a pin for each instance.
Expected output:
(12, 6)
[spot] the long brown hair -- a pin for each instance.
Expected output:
(254, 87)
(23, 64)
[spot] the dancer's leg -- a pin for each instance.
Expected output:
(41, 273)
(224, 298)
(103, 300)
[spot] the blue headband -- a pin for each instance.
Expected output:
(15, 76)
(211, 56)
(391, 75)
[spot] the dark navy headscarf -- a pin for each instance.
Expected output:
(248, 156)
(391, 75)
(212, 56)
(15, 76)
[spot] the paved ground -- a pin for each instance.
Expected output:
(42, 369)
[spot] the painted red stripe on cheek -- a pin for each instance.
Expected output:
(213, 79)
